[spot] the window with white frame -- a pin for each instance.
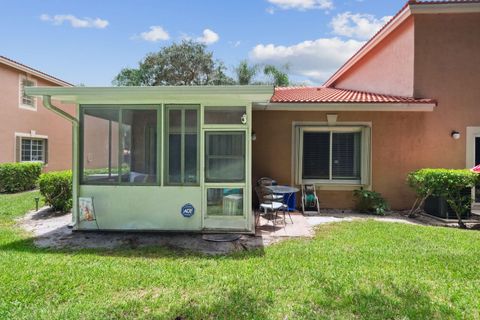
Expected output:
(26, 101)
(333, 155)
(33, 149)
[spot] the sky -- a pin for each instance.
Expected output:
(88, 42)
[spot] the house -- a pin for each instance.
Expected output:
(182, 158)
(29, 132)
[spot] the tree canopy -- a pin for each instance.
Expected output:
(190, 63)
(186, 63)
(245, 72)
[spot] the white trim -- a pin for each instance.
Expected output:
(407, 107)
(437, 8)
(472, 133)
(30, 136)
(297, 151)
(382, 34)
(21, 105)
(34, 72)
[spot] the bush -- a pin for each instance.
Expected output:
(447, 183)
(370, 202)
(56, 188)
(19, 176)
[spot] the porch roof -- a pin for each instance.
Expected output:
(335, 99)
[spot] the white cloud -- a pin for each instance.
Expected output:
(75, 22)
(156, 33)
(208, 37)
(301, 4)
(315, 60)
(359, 26)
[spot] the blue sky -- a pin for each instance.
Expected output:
(90, 41)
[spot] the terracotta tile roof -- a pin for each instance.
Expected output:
(335, 95)
(39, 73)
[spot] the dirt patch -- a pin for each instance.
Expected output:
(50, 230)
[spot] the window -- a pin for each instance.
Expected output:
(119, 145)
(337, 155)
(33, 149)
(181, 142)
(225, 156)
(225, 115)
(26, 101)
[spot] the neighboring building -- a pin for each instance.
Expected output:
(29, 132)
(181, 158)
(429, 53)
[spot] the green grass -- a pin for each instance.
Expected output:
(17, 204)
(355, 270)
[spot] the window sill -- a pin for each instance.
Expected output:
(337, 186)
(27, 107)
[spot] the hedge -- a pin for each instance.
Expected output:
(56, 188)
(447, 183)
(19, 176)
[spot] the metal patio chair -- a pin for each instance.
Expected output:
(268, 208)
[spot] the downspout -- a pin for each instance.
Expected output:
(47, 103)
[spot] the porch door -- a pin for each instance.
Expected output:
(477, 162)
(225, 178)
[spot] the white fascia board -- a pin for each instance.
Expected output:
(405, 107)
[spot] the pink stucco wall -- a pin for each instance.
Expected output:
(447, 68)
(45, 123)
(387, 68)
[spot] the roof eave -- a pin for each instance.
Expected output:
(351, 106)
(154, 95)
(34, 72)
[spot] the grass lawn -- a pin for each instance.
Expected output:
(350, 270)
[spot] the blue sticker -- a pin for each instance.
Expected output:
(187, 210)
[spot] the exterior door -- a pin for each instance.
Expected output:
(225, 179)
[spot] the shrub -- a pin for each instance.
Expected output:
(370, 202)
(447, 183)
(56, 188)
(19, 176)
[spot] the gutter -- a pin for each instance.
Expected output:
(47, 103)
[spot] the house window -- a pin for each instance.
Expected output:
(33, 150)
(26, 102)
(119, 146)
(182, 133)
(333, 155)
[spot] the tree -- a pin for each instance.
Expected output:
(187, 63)
(245, 72)
(280, 78)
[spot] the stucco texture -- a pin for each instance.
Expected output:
(446, 67)
(45, 123)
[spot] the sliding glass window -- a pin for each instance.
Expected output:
(181, 145)
(119, 145)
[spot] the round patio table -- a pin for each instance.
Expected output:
(283, 190)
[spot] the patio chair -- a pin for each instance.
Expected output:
(266, 181)
(310, 202)
(267, 207)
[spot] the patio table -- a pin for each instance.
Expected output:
(284, 190)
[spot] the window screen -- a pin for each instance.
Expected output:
(182, 136)
(330, 155)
